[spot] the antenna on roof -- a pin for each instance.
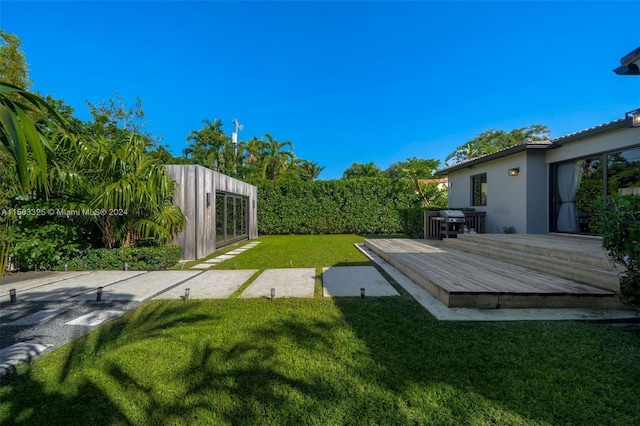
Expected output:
(234, 140)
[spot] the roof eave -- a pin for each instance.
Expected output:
(499, 154)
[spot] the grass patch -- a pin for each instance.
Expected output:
(299, 251)
(326, 362)
(315, 361)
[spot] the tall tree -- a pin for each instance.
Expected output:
(494, 140)
(277, 157)
(208, 147)
(357, 170)
(417, 170)
(114, 120)
(13, 65)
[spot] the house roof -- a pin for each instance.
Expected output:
(548, 144)
(629, 64)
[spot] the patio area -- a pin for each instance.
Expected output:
(507, 271)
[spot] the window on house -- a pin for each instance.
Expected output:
(479, 190)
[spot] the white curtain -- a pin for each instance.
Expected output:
(569, 177)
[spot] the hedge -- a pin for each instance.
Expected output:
(137, 258)
(358, 206)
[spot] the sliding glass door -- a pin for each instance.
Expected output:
(231, 218)
(577, 184)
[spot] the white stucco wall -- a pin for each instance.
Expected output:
(506, 195)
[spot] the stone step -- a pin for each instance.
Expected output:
(586, 268)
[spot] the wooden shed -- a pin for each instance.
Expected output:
(220, 209)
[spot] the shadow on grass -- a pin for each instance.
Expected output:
(339, 361)
(499, 373)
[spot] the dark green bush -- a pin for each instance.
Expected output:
(45, 246)
(137, 258)
(359, 206)
(619, 225)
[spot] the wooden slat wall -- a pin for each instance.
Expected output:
(194, 182)
(473, 220)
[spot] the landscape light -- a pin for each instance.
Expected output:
(13, 296)
(99, 294)
(362, 292)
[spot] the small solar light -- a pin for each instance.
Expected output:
(13, 295)
(186, 293)
(99, 294)
(273, 293)
(362, 292)
(126, 266)
(182, 266)
(66, 267)
(291, 264)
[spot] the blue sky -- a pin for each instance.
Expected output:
(344, 81)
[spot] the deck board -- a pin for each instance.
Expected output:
(448, 272)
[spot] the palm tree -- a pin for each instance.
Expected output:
(207, 146)
(276, 158)
(251, 158)
(133, 193)
(20, 135)
(308, 170)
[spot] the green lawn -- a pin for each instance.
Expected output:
(298, 251)
(314, 361)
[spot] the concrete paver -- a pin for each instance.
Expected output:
(346, 281)
(210, 285)
(37, 281)
(58, 290)
(288, 282)
(202, 266)
(140, 287)
(94, 318)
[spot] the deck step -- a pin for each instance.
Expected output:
(577, 249)
(463, 279)
(583, 268)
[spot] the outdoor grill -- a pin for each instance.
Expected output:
(451, 223)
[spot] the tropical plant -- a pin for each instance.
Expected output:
(20, 135)
(276, 157)
(494, 140)
(308, 170)
(358, 170)
(418, 170)
(619, 225)
(131, 197)
(207, 147)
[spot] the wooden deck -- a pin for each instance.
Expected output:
(462, 279)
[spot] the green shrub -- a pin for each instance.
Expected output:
(619, 225)
(349, 206)
(137, 258)
(412, 221)
(45, 246)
